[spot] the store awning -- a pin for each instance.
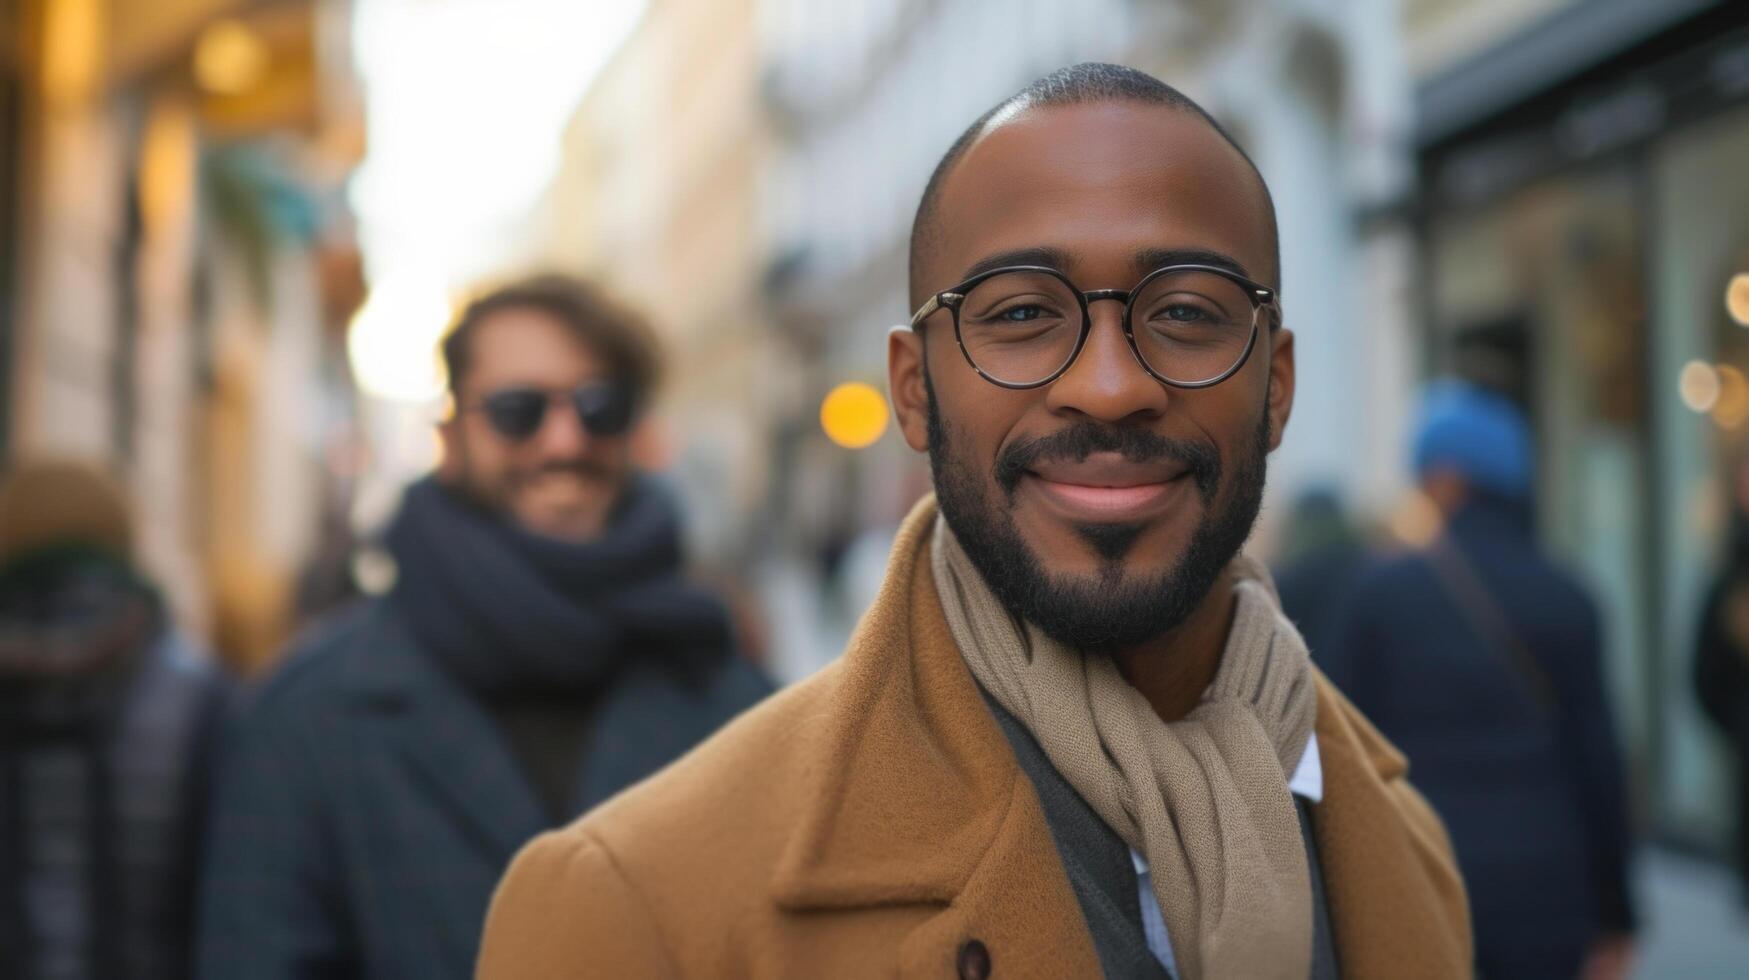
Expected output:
(1534, 61)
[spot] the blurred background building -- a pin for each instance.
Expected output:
(177, 280)
(1582, 212)
(1543, 195)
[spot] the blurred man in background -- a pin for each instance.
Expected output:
(1721, 667)
(1075, 733)
(538, 651)
(1483, 662)
(1322, 556)
(106, 719)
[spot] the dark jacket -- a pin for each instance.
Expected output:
(368, 805)
(1315, 591)
(1099, 868)
(1521, 761)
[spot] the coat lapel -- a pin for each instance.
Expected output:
(1017, 903)
(447, 742)
(918, 799)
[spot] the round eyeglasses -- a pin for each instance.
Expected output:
(1190, 326)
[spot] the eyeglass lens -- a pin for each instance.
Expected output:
(1190, 326)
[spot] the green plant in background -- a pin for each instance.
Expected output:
(256, 205)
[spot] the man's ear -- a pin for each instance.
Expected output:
(1281, 383)
(906, 388)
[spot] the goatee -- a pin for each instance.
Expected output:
(1114, 608)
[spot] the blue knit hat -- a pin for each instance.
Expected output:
(1476, 432)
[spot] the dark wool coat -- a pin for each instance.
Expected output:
(1522, 764)
(367, 804)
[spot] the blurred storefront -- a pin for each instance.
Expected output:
(177, 279)
(1584, 208)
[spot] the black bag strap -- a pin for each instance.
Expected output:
(1484, 614)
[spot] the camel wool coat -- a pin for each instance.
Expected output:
(872, 822)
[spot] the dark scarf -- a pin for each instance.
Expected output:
(508, 612)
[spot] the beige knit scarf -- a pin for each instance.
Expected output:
(1205, 799)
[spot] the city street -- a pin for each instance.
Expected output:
(1695, 928)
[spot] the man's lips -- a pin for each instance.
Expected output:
(1106, 486)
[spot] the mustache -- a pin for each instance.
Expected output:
(1201, 461)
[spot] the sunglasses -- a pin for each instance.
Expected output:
(604, 409)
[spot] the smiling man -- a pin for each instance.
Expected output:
(540, 650)
(1075, 734)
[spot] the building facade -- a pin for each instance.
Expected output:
(172, 284)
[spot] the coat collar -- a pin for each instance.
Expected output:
(916, 798)
(443, 735)
(914, 778)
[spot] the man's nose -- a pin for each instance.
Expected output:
(561, 433)
(1107, 382)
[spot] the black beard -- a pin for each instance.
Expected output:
(1111, 610)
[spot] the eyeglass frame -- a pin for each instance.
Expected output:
(1261, 296)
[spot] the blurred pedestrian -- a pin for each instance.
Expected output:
(1721, 666)
(1482, 661)
(538, 651)
(1322, 558)
(106, 722)
(1074, 733)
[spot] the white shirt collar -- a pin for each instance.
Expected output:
(1308, 777)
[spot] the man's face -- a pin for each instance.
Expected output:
(560, 481)
(1102, 506)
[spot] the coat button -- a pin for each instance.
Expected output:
(974, 960)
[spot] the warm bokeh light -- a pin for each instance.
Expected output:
(230, 58)
(1698, 384)
(1737, 298)
(460, 153)
(72, 55)
(392, 342)
(168, 166)
(854, 415)
(1731, 407)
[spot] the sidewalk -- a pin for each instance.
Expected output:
(1694, 926)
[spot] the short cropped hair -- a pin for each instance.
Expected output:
(611, 331)
(1083, 84)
